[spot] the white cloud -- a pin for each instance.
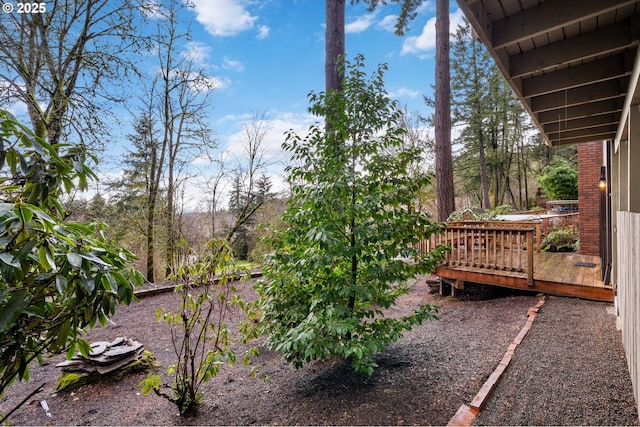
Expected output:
(426, 41)
(219, 82)
(263, 32)
(404, 92)
(362, 23)
(202, 161)
(276, 126)
(224, 17)
(231, 149)
(206, 83)
(107, 177)
(388, 23)
(231, 64)
(198, 52)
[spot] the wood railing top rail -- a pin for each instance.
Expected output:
(533, 226)
(489, 225)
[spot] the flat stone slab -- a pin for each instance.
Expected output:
(105, 356)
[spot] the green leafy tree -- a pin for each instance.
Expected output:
(348, 251)
(560, 182)
(56, 278)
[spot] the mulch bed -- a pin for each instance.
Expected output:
(569, 370)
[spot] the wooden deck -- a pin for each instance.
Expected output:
(508, 255)
(562, 274)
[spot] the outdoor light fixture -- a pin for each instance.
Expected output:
(602, 183)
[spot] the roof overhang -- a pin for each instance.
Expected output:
(573, 64)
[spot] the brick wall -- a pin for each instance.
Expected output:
(589, 163)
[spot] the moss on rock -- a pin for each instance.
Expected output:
(71, 380)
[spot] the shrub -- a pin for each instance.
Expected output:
(560, 240)
(560, 182)
(56, 278)
(199, 332)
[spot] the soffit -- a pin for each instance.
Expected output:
(570, 62)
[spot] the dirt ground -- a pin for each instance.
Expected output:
(569, 370)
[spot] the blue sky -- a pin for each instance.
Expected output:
(267, 55)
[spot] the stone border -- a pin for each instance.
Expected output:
(467, 413)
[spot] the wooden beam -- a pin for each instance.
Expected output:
(552, 288)
(581, 140)
(479, 19)
(548, 16)
(585, 292)
(530, 263)
(614, 37)
(595, 133)
(588, 73)
(517, 282)
(585, 122)
(580, 95)
(580, 111)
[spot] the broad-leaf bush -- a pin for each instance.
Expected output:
(561, 240)
(348, 250)
(56, 278)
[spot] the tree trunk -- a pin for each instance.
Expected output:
(170, 249)
(334, 47)
(151, 277)
(444, 162)
(486, 202)
(526, 181)
(521, 201)
(151, 217)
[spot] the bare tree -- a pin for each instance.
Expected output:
(249, 190)
(417, 137)
(173, 130)
(183, 106)
(58, 63)
(214, 185)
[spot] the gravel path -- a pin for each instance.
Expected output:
(569, 370)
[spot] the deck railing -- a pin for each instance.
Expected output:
(567, 221)
(493, 245)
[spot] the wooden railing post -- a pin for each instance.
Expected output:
(530, 251)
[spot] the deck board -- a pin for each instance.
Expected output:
(554, 273)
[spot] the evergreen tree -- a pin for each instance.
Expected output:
(471, 65)
(141, 182)
(496, 127)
